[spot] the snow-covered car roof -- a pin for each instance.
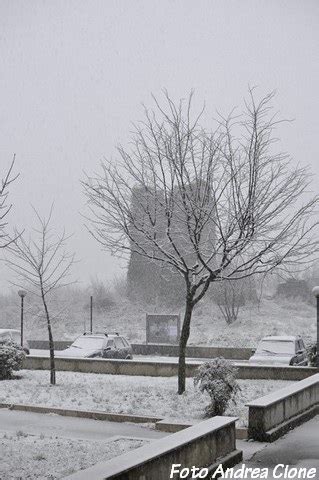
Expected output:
(100, 334)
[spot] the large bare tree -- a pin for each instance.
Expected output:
(5, 208)
(42, 265)
(209, 206)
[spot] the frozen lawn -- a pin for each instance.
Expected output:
(38, 457)
(155, 396)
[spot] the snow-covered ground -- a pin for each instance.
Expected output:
(31, 457)
(155, 396)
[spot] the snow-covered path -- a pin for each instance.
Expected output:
(298, 448)
(38, 446)
(72, 428)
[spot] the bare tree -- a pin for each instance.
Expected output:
(4, 207)
(42, 265)
(229, 300)
(230, 297)
(208, 206)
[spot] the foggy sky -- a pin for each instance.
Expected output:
(75, 72)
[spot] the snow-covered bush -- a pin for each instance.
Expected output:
(218, 379)
(11, 359)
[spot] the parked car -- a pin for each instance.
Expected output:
(284, 350)
(11, 335)
(99, 345)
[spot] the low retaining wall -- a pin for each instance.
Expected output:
(274, 414)
(193, 351)
(206, 444)
(267, 372)
(161, 369)
(44, 344)
(165, 350)
(74, 412)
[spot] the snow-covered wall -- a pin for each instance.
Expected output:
(206, 444)
(274, 414)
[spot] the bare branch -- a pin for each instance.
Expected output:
(8, 179)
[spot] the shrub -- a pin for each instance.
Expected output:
(11, 358)
(218, 379)
(312, 354)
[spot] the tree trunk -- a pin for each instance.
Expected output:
(182, 346)
(51, 343)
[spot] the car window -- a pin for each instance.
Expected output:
(125, 342)
(118, 342)
(276, 347)
(110, 344)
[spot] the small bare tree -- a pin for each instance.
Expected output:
(231, 296)
(7, 180)
(229, 300)
(42, 265)
(208, 206)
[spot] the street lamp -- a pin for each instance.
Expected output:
(91, 314)
(315, 291)
(22, 294)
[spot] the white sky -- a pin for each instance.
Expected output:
(73, 74)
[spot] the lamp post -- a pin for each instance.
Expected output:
(22, 294)
(315, 291)
(91, 314)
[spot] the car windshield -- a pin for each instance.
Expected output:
(276, 347)
(88, 343)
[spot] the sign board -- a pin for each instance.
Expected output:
(162, 328)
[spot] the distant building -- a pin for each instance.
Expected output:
(153, 281)
(294, 288)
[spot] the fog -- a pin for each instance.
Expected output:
(74, 75)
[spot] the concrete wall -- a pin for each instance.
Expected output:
(193, 351)
(161, 368)
(205, 444)
(166, 350)
(44, 344)
(272, 415)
